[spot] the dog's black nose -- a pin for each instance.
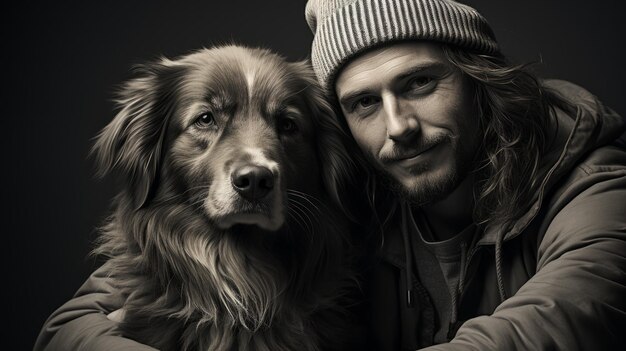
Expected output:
(252, 182)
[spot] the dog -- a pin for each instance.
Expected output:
(228, 232)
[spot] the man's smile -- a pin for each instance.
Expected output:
(409, 157)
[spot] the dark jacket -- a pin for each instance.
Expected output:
(562, 264)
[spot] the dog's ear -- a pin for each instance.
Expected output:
(339, 160)
(131, 145)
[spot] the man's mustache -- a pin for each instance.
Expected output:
(402, 151)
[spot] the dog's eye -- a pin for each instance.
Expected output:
(205, 120)
(287, 125)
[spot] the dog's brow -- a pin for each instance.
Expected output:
(276, 109)
(273, 107)
(222, 103)
(217, 101)
(292, 110)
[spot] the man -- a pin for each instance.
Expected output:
(508, 206)
(501, 198)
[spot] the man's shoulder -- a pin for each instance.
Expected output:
(566, 88)
(596, 178)
(576, 95)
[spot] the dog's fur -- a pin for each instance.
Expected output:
(203, 267)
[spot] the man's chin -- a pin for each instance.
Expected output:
(421, 189)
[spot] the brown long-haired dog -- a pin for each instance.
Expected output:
(227, 233)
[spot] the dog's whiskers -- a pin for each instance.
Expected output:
(300, 210)
(307, 198)
(303, 207)
(297, 217)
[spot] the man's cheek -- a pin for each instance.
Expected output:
(367, 140)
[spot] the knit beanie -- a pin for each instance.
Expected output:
(344, 28)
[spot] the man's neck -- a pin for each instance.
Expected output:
(451, 215)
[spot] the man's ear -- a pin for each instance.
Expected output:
(338, 160)
(132, 144)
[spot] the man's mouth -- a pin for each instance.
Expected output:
(407, 157)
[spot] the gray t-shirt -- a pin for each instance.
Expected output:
(438, 267)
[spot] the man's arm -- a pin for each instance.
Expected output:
(575, 301)
(82, 323)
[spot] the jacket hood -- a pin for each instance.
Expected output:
(592, 126)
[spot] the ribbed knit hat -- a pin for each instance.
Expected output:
(344, 28)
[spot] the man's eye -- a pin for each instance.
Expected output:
(365, 102)
(420, 82)
(205, 120)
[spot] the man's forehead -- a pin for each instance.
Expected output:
(367, 69)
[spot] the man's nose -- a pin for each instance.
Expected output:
(401, 119)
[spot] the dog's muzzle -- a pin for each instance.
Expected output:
(254, 197)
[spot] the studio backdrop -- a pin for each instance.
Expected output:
(63, 62)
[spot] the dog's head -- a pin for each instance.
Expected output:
(228, 130)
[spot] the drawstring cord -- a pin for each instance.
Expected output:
(463, 266)
(499, 277)
(461, 282)
(499, 274)
(458, 292)
(407, 257)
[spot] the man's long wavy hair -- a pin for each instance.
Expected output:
(517, 124)
(517, 120)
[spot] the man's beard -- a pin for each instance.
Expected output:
(424, 192)
(429, 189)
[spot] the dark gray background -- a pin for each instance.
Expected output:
(62, 63)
